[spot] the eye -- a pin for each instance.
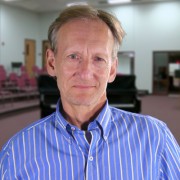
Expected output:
(73, 56)
(99, 59)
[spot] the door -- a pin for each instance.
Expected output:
(45, 46)
(160, 73)
(174, 73)
(30, 56)
(166, 72)
(126, 63)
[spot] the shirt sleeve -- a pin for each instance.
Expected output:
(3, 164)
(170, 158)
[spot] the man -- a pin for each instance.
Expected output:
(86, 138)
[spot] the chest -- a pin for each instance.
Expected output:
(115, 157)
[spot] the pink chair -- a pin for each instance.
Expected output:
(38, 71)
(3, 80)
(2, 73)
(21, 84)
(33, 84)
(24, 83)
(13, 77)
(3, 77)
(1, 67)
(23, 69)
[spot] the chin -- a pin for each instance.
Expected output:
(87, 101)
(91, 99)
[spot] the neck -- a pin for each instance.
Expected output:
(81, 116)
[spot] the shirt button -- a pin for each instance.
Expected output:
(69, 140)
(105, 137)
(90, 158)
(72, 128)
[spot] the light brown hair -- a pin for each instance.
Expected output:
(86, 12)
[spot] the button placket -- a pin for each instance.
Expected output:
(92, 145)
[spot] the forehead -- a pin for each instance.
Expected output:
(91, 29)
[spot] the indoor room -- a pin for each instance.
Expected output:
(148, 72)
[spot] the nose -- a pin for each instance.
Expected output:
(85, 69)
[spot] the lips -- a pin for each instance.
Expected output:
(84, 86)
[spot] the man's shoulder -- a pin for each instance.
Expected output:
(130, 119)
(28, 130)
(140, 128)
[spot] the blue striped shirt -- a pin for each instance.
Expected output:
(124, 146)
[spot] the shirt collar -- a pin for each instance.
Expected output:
(61, 123)
(103, 120)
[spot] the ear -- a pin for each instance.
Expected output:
(50, 61)
(113, 70)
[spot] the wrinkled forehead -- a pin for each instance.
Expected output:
(85, 27)
(80, 34)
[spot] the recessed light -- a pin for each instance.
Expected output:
(77, 3)
(118, 1)
(10, 0)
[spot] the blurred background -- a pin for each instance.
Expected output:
(148, 79)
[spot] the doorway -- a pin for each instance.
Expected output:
(30, 56)
(166, 72)
(126, 63)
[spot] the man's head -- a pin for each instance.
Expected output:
(86, 12)
(83, 55)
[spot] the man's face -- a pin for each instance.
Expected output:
(83, 63)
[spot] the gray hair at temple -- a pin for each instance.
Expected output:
(86, 12)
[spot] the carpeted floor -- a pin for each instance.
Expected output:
(165, 108)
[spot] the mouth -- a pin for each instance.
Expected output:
(83, 86)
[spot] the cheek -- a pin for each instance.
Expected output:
(64, 76)
(103, 77)
(104, 72)
(61, 69)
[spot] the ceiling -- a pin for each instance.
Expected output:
(55, 5)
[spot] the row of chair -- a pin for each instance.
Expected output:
(18, 85)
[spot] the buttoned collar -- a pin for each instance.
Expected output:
(102, 121)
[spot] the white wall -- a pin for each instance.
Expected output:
(149, 27)
(16, 25)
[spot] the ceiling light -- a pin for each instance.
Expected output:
(10, 0)
(118, 1)
(77, 3)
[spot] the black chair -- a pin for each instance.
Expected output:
(49, 94)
